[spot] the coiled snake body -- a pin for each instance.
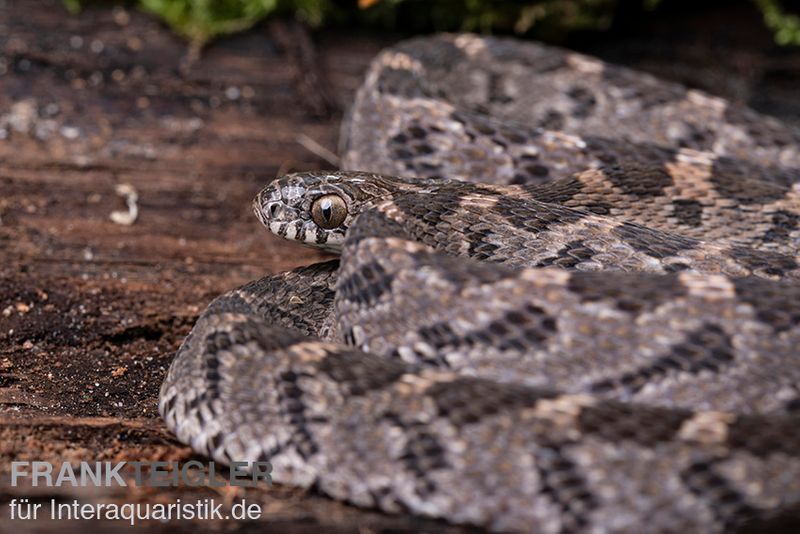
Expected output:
(579, 309)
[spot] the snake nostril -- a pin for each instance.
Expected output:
(274, 209)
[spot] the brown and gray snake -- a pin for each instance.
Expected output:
(577, 310)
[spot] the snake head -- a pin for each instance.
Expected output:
(317, 208)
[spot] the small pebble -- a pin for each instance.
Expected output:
(119, 371)
(134, 43)
(232, 93)
(69, 132)
(121, 16)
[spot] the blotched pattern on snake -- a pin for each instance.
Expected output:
(578, 309)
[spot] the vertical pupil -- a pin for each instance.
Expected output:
(327, 209)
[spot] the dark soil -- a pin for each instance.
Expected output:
(91, 311)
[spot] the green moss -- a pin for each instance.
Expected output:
(786, 27)
(518, 16)
(73, 6)
(202, 20)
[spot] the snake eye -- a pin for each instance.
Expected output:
(329, 211)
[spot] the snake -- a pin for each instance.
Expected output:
(566, 299)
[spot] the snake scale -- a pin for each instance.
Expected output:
(577, 310)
